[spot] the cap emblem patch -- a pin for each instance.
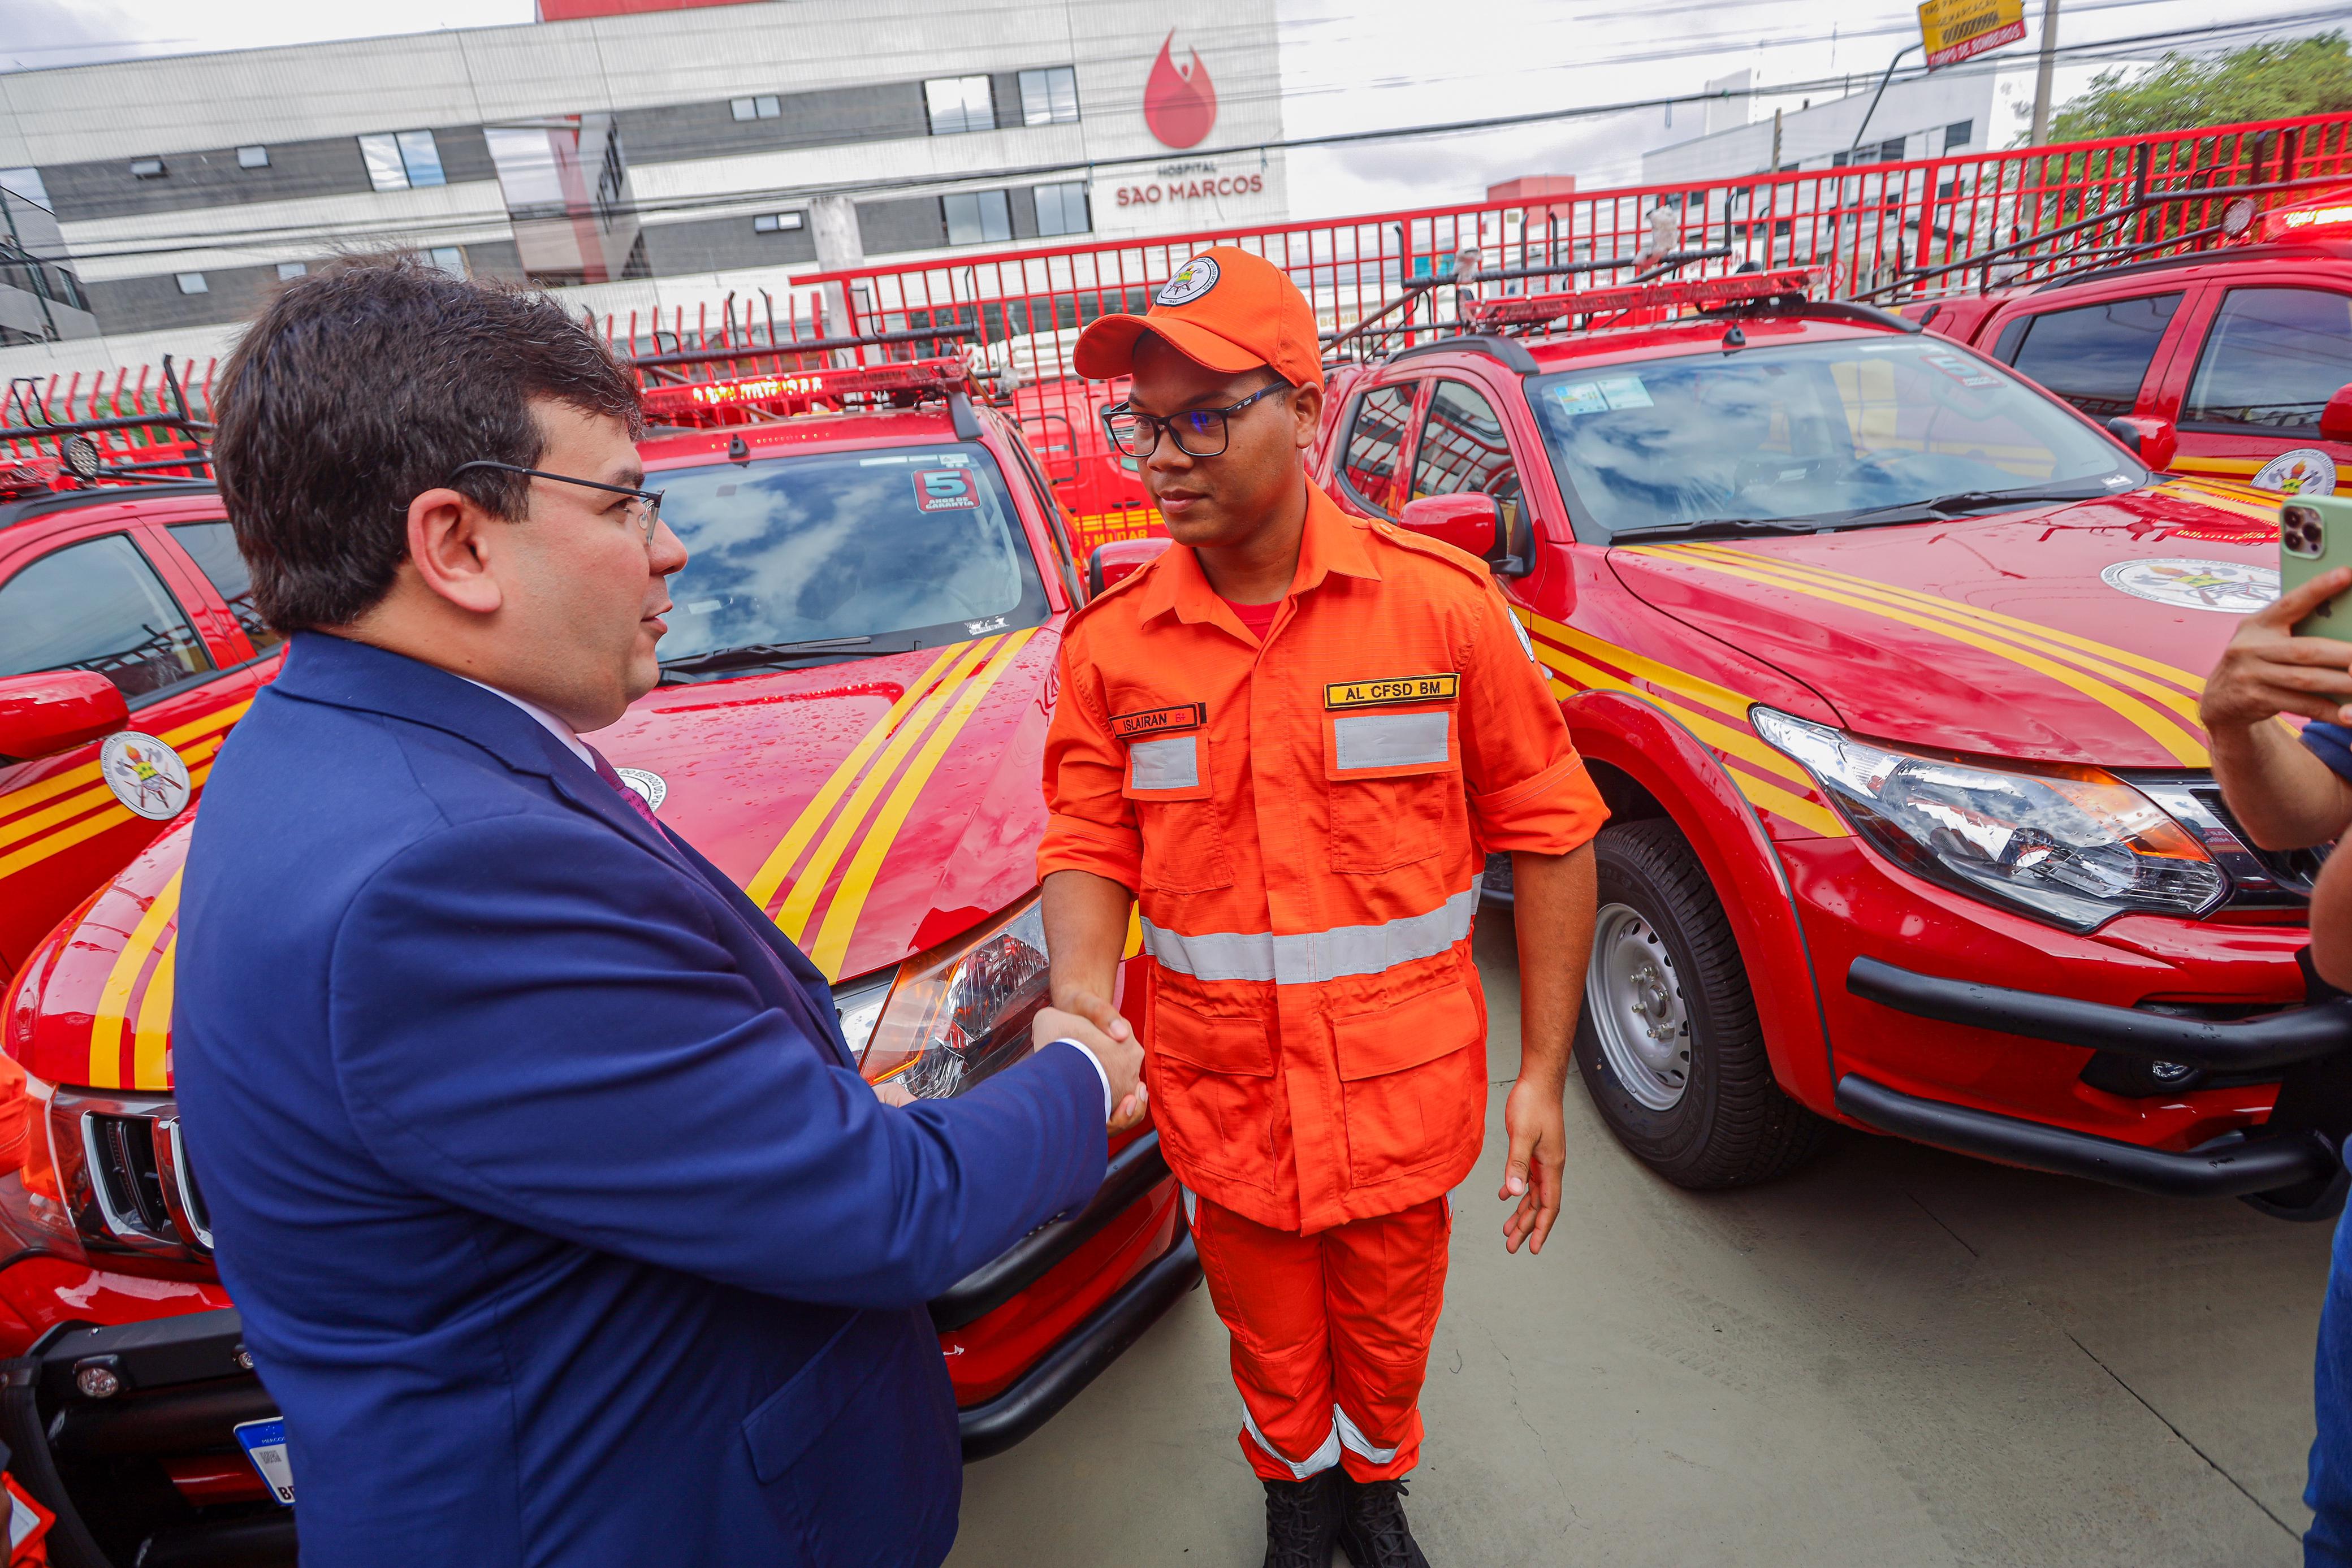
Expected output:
(1196, 278)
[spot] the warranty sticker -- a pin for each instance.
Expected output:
(1159, 721)
(944, 490)
(1404, 689)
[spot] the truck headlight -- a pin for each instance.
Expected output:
(2074, 846)
(962, 1011)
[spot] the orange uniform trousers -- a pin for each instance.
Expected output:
(1330, 1334)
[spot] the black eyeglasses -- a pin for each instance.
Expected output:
(644, 517)
(1199, 434)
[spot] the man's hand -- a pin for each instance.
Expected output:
(890, 1092)
(1113, 1046)
(1538, 1127)
(2267, 670)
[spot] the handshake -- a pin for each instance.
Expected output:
(1100, 1026)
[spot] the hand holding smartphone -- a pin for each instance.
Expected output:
(2315, 537)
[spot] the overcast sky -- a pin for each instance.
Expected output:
(1348, 65)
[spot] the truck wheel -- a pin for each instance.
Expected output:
(1667, 1040)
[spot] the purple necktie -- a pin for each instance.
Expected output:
(636, 801)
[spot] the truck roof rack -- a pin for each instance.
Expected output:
(81, 461)
(785, 395)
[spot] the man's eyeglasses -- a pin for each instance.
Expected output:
(644, 517)
(1200, 433)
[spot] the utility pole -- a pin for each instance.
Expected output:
(1776, 141)
(2040, 135)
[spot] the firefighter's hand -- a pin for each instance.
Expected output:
(1538, 1127)
(1121, 1058)
(2268, 670)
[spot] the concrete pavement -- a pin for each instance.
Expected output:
(1895, 1357)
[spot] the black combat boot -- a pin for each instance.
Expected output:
(1372, 1528)
(1302, 1520)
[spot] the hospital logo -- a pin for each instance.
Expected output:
(145, 775)
(2227, 586)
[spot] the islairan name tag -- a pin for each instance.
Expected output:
(1440, 688)
(1159, 721)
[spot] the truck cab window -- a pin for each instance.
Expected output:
(1375, 440)
(2272, 360)
(2094, 356)
(97, 606)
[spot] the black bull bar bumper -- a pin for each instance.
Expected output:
(2289, 1166)
(182, 1384)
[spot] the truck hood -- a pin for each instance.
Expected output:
(2078, 632)
(873, 808)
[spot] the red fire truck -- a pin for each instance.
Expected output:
(878, 797)
(2234, 361)
(1887, 661)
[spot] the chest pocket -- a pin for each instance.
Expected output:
(1168, 778)
(1394, 777)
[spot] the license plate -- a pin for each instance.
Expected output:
(265, 1445)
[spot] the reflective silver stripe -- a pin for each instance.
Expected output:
(1351, 1437)
(1173, 763)
(1310, 958)
(1321, 1459)
(1391, 740)
(1192, 1203)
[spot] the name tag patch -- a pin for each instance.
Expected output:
(1170, 763)
(1160, 720)
(1442, 688)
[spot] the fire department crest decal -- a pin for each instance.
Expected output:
(1196, 278)
(145, 775)
(2305, 471)
(2231, 587)
(650, 787)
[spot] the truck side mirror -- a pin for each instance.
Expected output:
(2155, 440)
(2335, 419)
(57, 710)
(1119, 558)
(1473, 522)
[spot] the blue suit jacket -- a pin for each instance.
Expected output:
(563, 1231)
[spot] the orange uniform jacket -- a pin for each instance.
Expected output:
(1304, 826)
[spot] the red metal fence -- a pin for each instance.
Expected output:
(1889, 232)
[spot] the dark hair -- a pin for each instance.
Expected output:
(363, 385)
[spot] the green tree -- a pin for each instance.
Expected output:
(2261, 81)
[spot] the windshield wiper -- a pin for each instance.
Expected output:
(1939, 506)
(1715, 527)
(750, 655)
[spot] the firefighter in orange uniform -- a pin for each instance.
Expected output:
(1294, 737)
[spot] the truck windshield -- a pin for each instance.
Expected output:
(841, 555)
(1810, 434)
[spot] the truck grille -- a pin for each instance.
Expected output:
(123, 1169)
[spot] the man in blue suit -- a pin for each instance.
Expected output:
(564, 1231)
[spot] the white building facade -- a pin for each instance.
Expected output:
(635, 161)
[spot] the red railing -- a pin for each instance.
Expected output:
(1890, 232)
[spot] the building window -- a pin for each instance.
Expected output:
(398, 161)
(286, 269)
(1891, 150)
(978, 218)
(765, 107)
(777, 222)
(959, 104)
(447, 259)
(25, 185)
(1959, 133)
(192, 283)
(147, 169)
(1049, 97)
(253, 157)
(1062, 209)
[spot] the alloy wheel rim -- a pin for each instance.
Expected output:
(1634, 999)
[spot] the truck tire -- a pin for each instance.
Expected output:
(1667, 1039)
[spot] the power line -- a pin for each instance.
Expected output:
(313, 235)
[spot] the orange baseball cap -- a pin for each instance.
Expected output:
(1224, 308)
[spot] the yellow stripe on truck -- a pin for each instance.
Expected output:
(2185, 746)
(114, 997)
(780, 860)
(800, 903)
(841, 917)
